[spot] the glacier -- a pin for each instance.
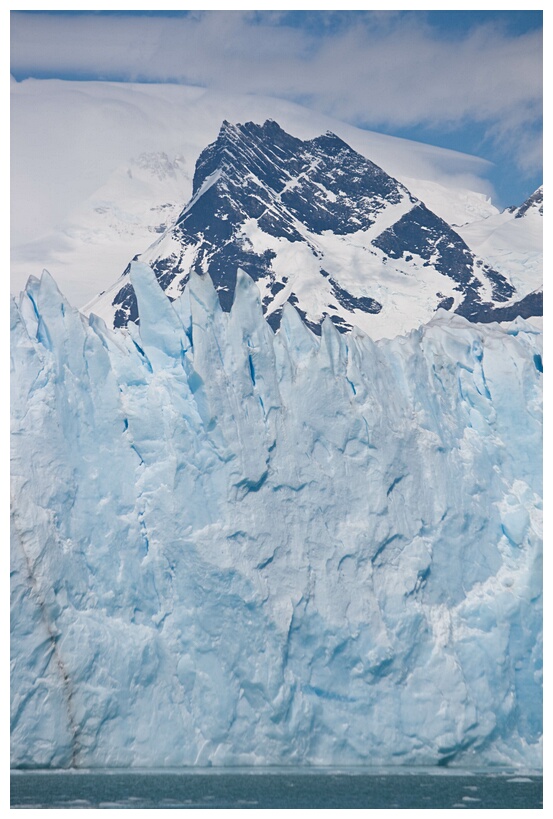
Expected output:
(232, 546)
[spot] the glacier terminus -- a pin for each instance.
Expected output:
(238, 541)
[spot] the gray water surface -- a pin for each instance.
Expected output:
(275, 788)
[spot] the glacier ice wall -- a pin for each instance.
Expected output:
(235, 547)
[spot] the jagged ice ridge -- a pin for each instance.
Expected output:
(232, 546)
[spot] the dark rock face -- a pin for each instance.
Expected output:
(258, 177)
(536, 200)
(530, 305)
(277, 179)
(287, 186)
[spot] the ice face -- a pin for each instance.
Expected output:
(235, 547)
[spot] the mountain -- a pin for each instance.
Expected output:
(534, 204)
(512, 241)
(140, 199)
(74, 143)
(236, 547)
(321, 227)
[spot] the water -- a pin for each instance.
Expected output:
(275, 788)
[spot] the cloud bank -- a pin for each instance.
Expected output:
(375, 70)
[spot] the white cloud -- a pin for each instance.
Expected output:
(387, 70)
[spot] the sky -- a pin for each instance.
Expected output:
(466, 80)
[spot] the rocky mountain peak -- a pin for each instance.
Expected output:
(534, 203)
(321, 227)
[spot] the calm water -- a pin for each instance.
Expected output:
(274, 788)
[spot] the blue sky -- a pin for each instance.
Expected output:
(467, 80)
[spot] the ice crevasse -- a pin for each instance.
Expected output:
(235, 547)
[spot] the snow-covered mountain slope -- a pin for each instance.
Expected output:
(236, 547)
(455, 205)
(134, 196)
(72, 143)
(139, 200)
(512, 242)
(319, 226)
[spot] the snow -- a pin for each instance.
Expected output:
(73, 144)
(511, 245)
(406, 290)
(141, 198)
(234, 547)
(455, 204)
(369, 254)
